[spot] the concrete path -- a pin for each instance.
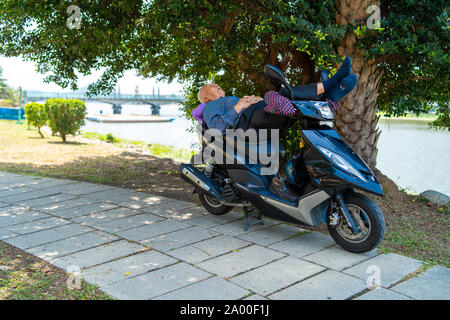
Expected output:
(135, 245)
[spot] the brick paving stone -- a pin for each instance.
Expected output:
(101, 217)
(208, 249)
(214, 288)
(237, 227)
(130, 222)
(75, 212)
(434, 284)
(45, 200)
(240, 260)
(304, 245)
(126, 268)
(152, 230)
(35, 239)
(5, 234)
(186, 214)
(27, 195)
(14, 215)
(37, 225)
(64, 205)
(55, 249)
(276, 275)
(271, 234)
(393, 268)
(337, 258)
(211, 221)
(180, 238)
(98, 255)
(327, 285)
(156, 283)
(382, 294)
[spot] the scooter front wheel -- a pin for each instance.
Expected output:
(368, 218)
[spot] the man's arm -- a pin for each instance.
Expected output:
(229, 118)
(245, 102)
(223, 121)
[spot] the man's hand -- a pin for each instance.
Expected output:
(245, 102)
(255, 99)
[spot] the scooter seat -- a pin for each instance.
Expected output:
(249, 148)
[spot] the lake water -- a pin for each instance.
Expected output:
(411, 154)
(414, 156)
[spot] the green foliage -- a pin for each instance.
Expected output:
(8, 95)
(110, 138)
(65, 116)
(412, 52)
(6, 103)
(36, 115)
(443, 120)
(228, 42)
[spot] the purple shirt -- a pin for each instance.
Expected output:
(197, 113)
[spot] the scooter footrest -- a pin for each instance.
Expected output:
(266, 193)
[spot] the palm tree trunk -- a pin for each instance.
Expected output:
(356, 120)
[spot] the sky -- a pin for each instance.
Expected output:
(17, 73)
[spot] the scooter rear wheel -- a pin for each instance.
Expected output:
(210, 204)
(367, 216)
(213, 206)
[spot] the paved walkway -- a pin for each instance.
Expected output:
(135, 245)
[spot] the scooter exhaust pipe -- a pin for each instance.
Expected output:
(199, 180)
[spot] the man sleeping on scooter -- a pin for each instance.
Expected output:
(273, 112)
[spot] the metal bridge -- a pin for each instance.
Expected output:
(116, 100)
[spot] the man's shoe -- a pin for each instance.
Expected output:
(342, 88)
(279, 188)
(342, 72)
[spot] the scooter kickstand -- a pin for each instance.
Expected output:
(247, 223)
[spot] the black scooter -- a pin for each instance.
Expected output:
(324, 175)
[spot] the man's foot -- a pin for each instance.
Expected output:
(343, 88)
(279, 188)
(343, 71)
(278, 104)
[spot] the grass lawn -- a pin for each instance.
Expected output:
(415, 227)
(126, 164)
(25, 277)
(410, 116)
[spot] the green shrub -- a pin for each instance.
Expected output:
(36, 115)
(110, 138)
(65, 116)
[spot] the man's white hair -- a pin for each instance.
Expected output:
(199, 93)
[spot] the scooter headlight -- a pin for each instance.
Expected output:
(341, 162)
(324, 109)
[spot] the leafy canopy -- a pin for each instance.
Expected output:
(229, 41)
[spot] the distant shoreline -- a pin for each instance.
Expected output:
(408, 118)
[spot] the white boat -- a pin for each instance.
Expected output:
(127, 118)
